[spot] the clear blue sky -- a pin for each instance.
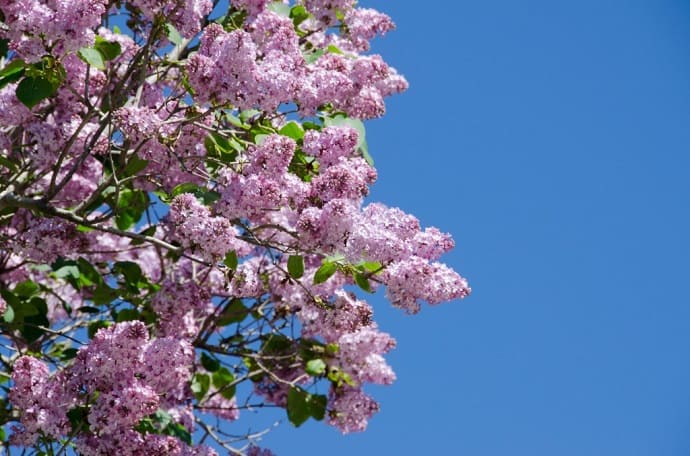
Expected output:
(551, 138)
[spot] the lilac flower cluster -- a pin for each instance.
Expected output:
(265, 226)
(35, 26)
(264, 67)
(120, 378)
(193, 225)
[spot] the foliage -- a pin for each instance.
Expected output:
(183, 226)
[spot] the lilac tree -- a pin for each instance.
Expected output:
(183, 232)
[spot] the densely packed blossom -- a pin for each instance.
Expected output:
(184, 231)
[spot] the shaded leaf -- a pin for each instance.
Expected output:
(325, 272)
(173, 35)
(295, 265)
(292, 130)
(93, 57)
(209, 363)
(108, 49)
(231, 260)
(32, 90)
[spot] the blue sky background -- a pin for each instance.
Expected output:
(551, 138)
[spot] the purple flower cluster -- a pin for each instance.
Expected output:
(35, 26)
(265, 212)
(117, 380)
(264, 67)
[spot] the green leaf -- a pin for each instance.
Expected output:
(103, 294)
(150, 231)
(69, 270)
(363, 282)
(297, 409)
(32, 90)
(78, 417)
(231, 260)
(209, 363)
(31, 330)
(26, 289)
(93, 57)
(4, 48)
(13, 67)
(292, 130)
(249, 114)
(221, 379)
(206, 196)
(7, 163)
(127, 315)
(279, 8)
(89, 272)
(234, 312)
(187, 187)
(178, 430)
(312, 57)
(108, 49)
(173, 35)
(372, 266)
(200, 385)
(315, 367)
(233, 21)
(340, 378)
(317, 406)
(8, 316)
(295, 265)
(95, 326)
(131, 205)
(333, 49)
(69, 353)
(134, 166)
(89, 309)
(301, 406)
(299, 14)
(325, 272)
(276, 344)
(130, 270)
